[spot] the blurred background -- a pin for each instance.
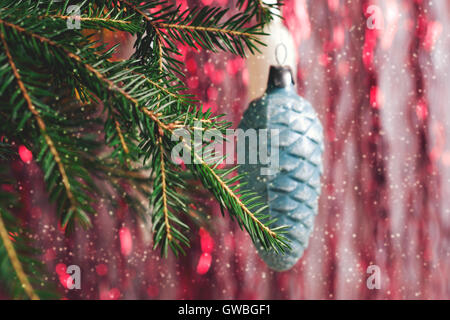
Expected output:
(377, 73)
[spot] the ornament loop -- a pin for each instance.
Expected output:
(277, 53)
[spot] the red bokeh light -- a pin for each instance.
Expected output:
(61, 268)
(206, 241)
(25, 154)
(101, 269)
(204, 263)
(126, 243)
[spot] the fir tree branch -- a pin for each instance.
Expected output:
(263, 12)
(122, 139)
(111, 85)
(162, 126)
(21, 274)
(207, 28)
(160, 87)
(278, 241)
(40, 123)
(232, 195)
(26, 285)
(91, 19)
(6, 151)
(73, 56)
(159, 37)
(97, 17)
(143, 104)
(135, 8)
(238, 200)
(164, 191)
(223, 31)
(160, 50)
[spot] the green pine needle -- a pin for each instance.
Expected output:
(87, 118)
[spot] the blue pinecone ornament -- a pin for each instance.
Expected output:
(292, 189)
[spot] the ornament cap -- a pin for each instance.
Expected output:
(280, 77)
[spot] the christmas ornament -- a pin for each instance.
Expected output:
(291, 190)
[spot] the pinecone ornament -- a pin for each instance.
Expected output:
(292, 191)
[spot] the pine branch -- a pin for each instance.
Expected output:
(143, 103)
(167, 203)
(225, 193)
(204, 27)
(41, 125)
(270, 238)
(21, 274)
(98, 16)
(26, 285)
(90, 19)
(207, 27)
(164, 190)
(122, 139)
(263, 11)
(6, 151)
(112, 86)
